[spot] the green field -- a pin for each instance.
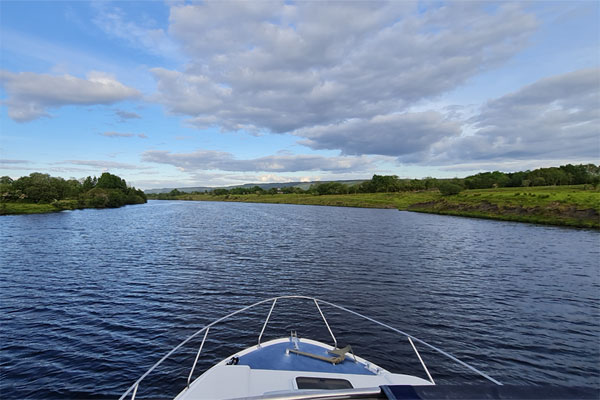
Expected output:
(577, 206)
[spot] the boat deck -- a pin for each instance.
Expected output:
(269, 369)
(275, 357)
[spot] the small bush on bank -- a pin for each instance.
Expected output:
(449, 189)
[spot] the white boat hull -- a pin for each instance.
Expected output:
(224, 381)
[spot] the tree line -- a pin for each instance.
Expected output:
(564, 175)
(106, 191)
(569, 174)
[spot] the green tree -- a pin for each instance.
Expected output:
(430, 183)
(515, 179)
(37, 188)
(538, 181)
(116, 198)
(88, 183)
(329, 188)
(110, 181)
(486, 180)
(220, 192)
(288, 189)
(385, 183)
(416, 184)
(578, 174)
(74, 188)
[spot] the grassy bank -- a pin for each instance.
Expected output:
(8, 208)
(41, 193)
(577, 206)
(363, 200)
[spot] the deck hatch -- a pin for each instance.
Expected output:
(308, 382)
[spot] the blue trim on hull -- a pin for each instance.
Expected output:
(273, 357)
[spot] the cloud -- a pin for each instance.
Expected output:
(126, 115)
(31, 94)
(5, 161)
(233, 179)
(555, 118)
(216, 160)
(283, 67)
(117, 134)
(389, 135)
(122, 135)
(105, 165)
(145, 35)
(14, 165)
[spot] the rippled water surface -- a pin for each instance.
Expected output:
(90, 299)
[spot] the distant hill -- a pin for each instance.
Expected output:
(265, 186)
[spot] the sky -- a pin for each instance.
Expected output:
(216, 93)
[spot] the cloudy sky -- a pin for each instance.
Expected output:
(178, 93)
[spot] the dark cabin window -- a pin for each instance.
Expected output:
(305, 382)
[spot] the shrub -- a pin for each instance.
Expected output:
(448, 189)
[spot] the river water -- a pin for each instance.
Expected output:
(90, 299)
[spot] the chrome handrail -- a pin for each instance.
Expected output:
(197, 356)
(420, 359)
(266, 322)
(442, 352)
(326, 324)
(135, 385)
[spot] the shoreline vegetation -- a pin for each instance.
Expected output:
(572, 205)
(41, 193)
(566, 196)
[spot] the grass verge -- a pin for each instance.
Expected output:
(7, 208)
(576, 206)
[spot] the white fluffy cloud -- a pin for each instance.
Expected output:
(31, 94)
(284, 67)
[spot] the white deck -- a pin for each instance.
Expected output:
(272, 369)
(238, 381)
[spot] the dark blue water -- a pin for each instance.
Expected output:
(91, 299)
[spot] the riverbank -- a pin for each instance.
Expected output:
(9, 208)
(575, 206)
(16, 208)
(41, 193)
(566, 206)
(45, 208)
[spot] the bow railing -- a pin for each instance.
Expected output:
(134, 388)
